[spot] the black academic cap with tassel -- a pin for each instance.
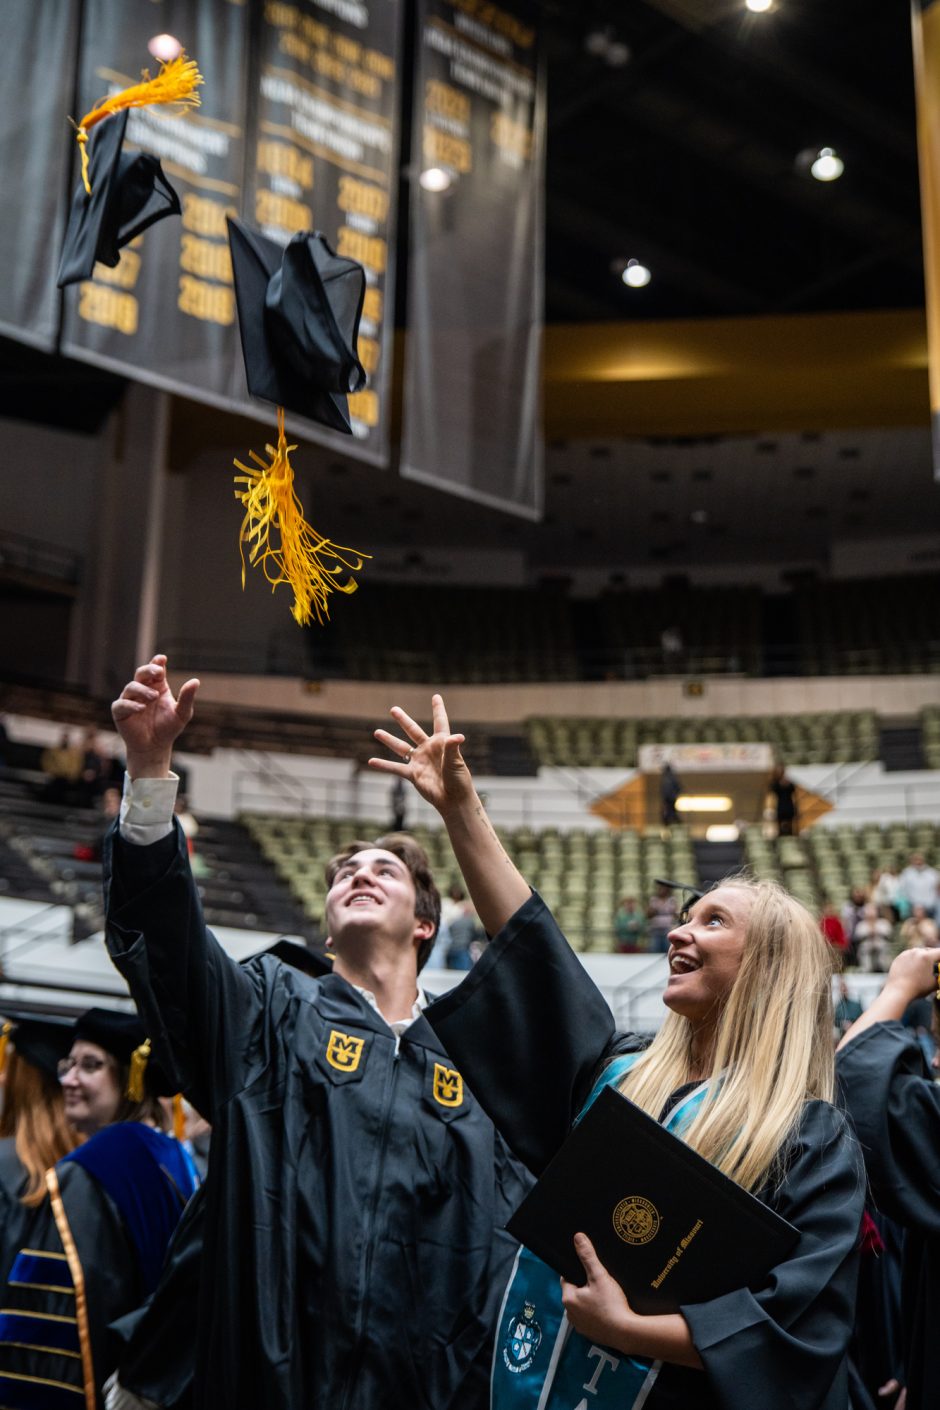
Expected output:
(120, 193)
(298, 313)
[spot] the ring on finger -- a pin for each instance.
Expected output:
(406, 757)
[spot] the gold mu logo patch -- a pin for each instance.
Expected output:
(343, 1051)
(448, 1085)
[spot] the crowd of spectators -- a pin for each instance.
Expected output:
(894, 912)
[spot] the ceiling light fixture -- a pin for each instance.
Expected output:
(603, 44)
(435, 178)
(828, 165)
(636, 275)
(759, 7)
(165, 47)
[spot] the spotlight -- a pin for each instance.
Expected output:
(435, 178)
(636, 275)
(828, 165)
(603, 44)
(165, 47)
(759, 7)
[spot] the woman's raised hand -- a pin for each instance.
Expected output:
(432, 762)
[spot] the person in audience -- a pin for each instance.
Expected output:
(630, 926)
(670, 791)
(919, 929)
(872, 941)
(846, 1011)
(785, 807)
(852, 913)
(357, 1196)
(661, 912)
(62, 766)
(94, 1247)
(919, 884)
(536, 1040)
(894, 1103)
(833, 928)
(885, 892)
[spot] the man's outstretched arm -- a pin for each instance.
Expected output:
(197, 1004)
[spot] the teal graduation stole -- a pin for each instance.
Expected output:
(540, 1361)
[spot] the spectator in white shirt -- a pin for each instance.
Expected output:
(920, 884)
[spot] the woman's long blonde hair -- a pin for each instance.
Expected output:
(773, 1048)
(34, 1113)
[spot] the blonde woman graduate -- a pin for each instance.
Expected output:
(742, 1070)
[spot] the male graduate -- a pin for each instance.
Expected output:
(353, 1249)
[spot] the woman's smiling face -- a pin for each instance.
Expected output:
(705, 953)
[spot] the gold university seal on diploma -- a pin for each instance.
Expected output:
(636, 1220)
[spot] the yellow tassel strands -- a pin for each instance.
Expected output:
(135, 1080)
(179, 1117)
(5, 1032)
(176, 82)
(311, 565)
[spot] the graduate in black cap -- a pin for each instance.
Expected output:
(894, 1102)
(357, 1195)
(741, 1069)
(94, 1247)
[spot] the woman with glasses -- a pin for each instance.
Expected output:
(95, 1246)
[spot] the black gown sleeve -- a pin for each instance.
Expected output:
(895, 1108)
(528, 1028)
(198, 1005)
(785, 1344)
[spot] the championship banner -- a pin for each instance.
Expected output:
(925, 21)
(326, 158)
(472, 413)
(165, 314)
(38, 69)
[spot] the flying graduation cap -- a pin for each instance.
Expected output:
(298, 314)
(120, 193)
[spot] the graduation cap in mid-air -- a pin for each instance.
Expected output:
(298, 314)
(120, 193)
(687, 895)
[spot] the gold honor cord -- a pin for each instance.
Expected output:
(176, 82)
(310, 564)
(78, 1278)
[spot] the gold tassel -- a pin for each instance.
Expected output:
(5, 1032)
(135, 1079)
(176, 82)
(308, 563)
(179, 1117)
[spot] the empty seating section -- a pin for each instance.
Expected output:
(680, 627)
(581, 874)
(849, 736)
(930, 735)
(441, 634)
(876, 625)
(825, 863)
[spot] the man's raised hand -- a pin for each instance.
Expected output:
(149, 719)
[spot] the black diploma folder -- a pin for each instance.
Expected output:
(669, 1226)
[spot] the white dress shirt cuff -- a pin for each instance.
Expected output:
(147, 809)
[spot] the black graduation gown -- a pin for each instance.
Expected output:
(13, 1215)
(895, 1107)
(354, 1255)
(530, 1031)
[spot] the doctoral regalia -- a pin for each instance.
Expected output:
(532, 1035)
(895, 1108)
(91, 1251)
(354, 1254)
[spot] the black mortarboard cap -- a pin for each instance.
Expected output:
(40, 1039)
(128, 192)
(298, 313)
(125, 1038)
